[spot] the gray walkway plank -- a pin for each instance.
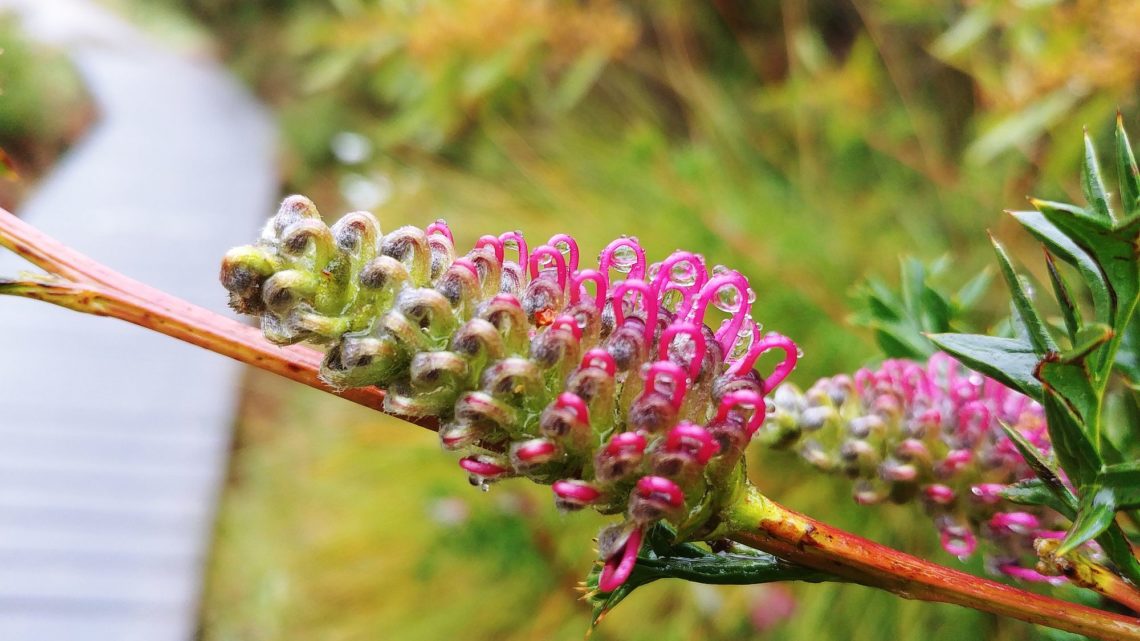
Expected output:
(113, 439)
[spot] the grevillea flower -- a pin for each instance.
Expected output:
(604, 382)
(929, 432)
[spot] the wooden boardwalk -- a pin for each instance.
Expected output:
(113, 440)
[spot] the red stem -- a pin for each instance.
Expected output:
(753, 520)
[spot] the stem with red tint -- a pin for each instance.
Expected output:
(759, 522)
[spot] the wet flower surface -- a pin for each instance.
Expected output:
(929, 433)
(604, 382)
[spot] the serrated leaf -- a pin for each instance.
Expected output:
(1035, 329)
(1127, 173)
(1071, 443)
(1113, 249)
(1070, 312)
(1010, 361)
(1064, 248)
(1123, 479)
(1097, 513)
(1044, 469)
(1036, 492)
(1092, 183)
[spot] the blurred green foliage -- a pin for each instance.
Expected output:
(805, 143)
(43, 108)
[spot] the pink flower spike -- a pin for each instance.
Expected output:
(558, 240)
(601, 359)
(619, 566)
(626, 443)
(567, 323)
(634, 269)
(669, 375)
(536, 264)
(768, 343)
(576, 492)
(535, 451)
(695, 335)
(694, 273)
(519, 242)
(577, 279)
(648, 305)
(692, 438)
(939, 494)
(746, 400)
(440, 227)
(509, 299)
(727, 334)
(987, 493)
(468, 265)
(955, 461)
(573, 401)
(1019, 522)
(1026, 574)
(483, 466)
(958, 541)
(495, 243)
(659, 488)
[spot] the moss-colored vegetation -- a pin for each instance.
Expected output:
(804, 143)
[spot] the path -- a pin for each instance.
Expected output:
(112, 439)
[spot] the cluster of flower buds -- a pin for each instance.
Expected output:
(604, 383)
(932, 433)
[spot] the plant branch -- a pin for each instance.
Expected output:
(758, 522)
(84, 285)
(81, 284)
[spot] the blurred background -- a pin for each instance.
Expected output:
(806, 143)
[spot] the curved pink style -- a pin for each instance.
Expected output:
(569, 324)
(538, 450)
(520, 245)
(649, 303)
(636, 269)
(693, 438)
(618, 567)
(695, 334)
(570, 400)
(601, 284)
(575, 491)
(507, 299)
(482, 466)
(601, 359)
(759, 348)
(745, 399)
(626, 443)
(468, 265)
(938, 493)
(663, 281)
(440, 227)
(727, 334)
(557, 240)
(495, 244)
(670, 375)
(546, 251)
(659, 487)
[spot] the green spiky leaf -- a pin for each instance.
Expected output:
(1035, 329)
(1008, 360)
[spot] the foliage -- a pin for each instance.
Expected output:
(804, 142)
(1071, 370)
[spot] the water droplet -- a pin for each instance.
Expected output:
(719, 269)
(751, 295)
(624, 258)
(799, 352)
(727, 299)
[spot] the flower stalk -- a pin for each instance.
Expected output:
(742, 513)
